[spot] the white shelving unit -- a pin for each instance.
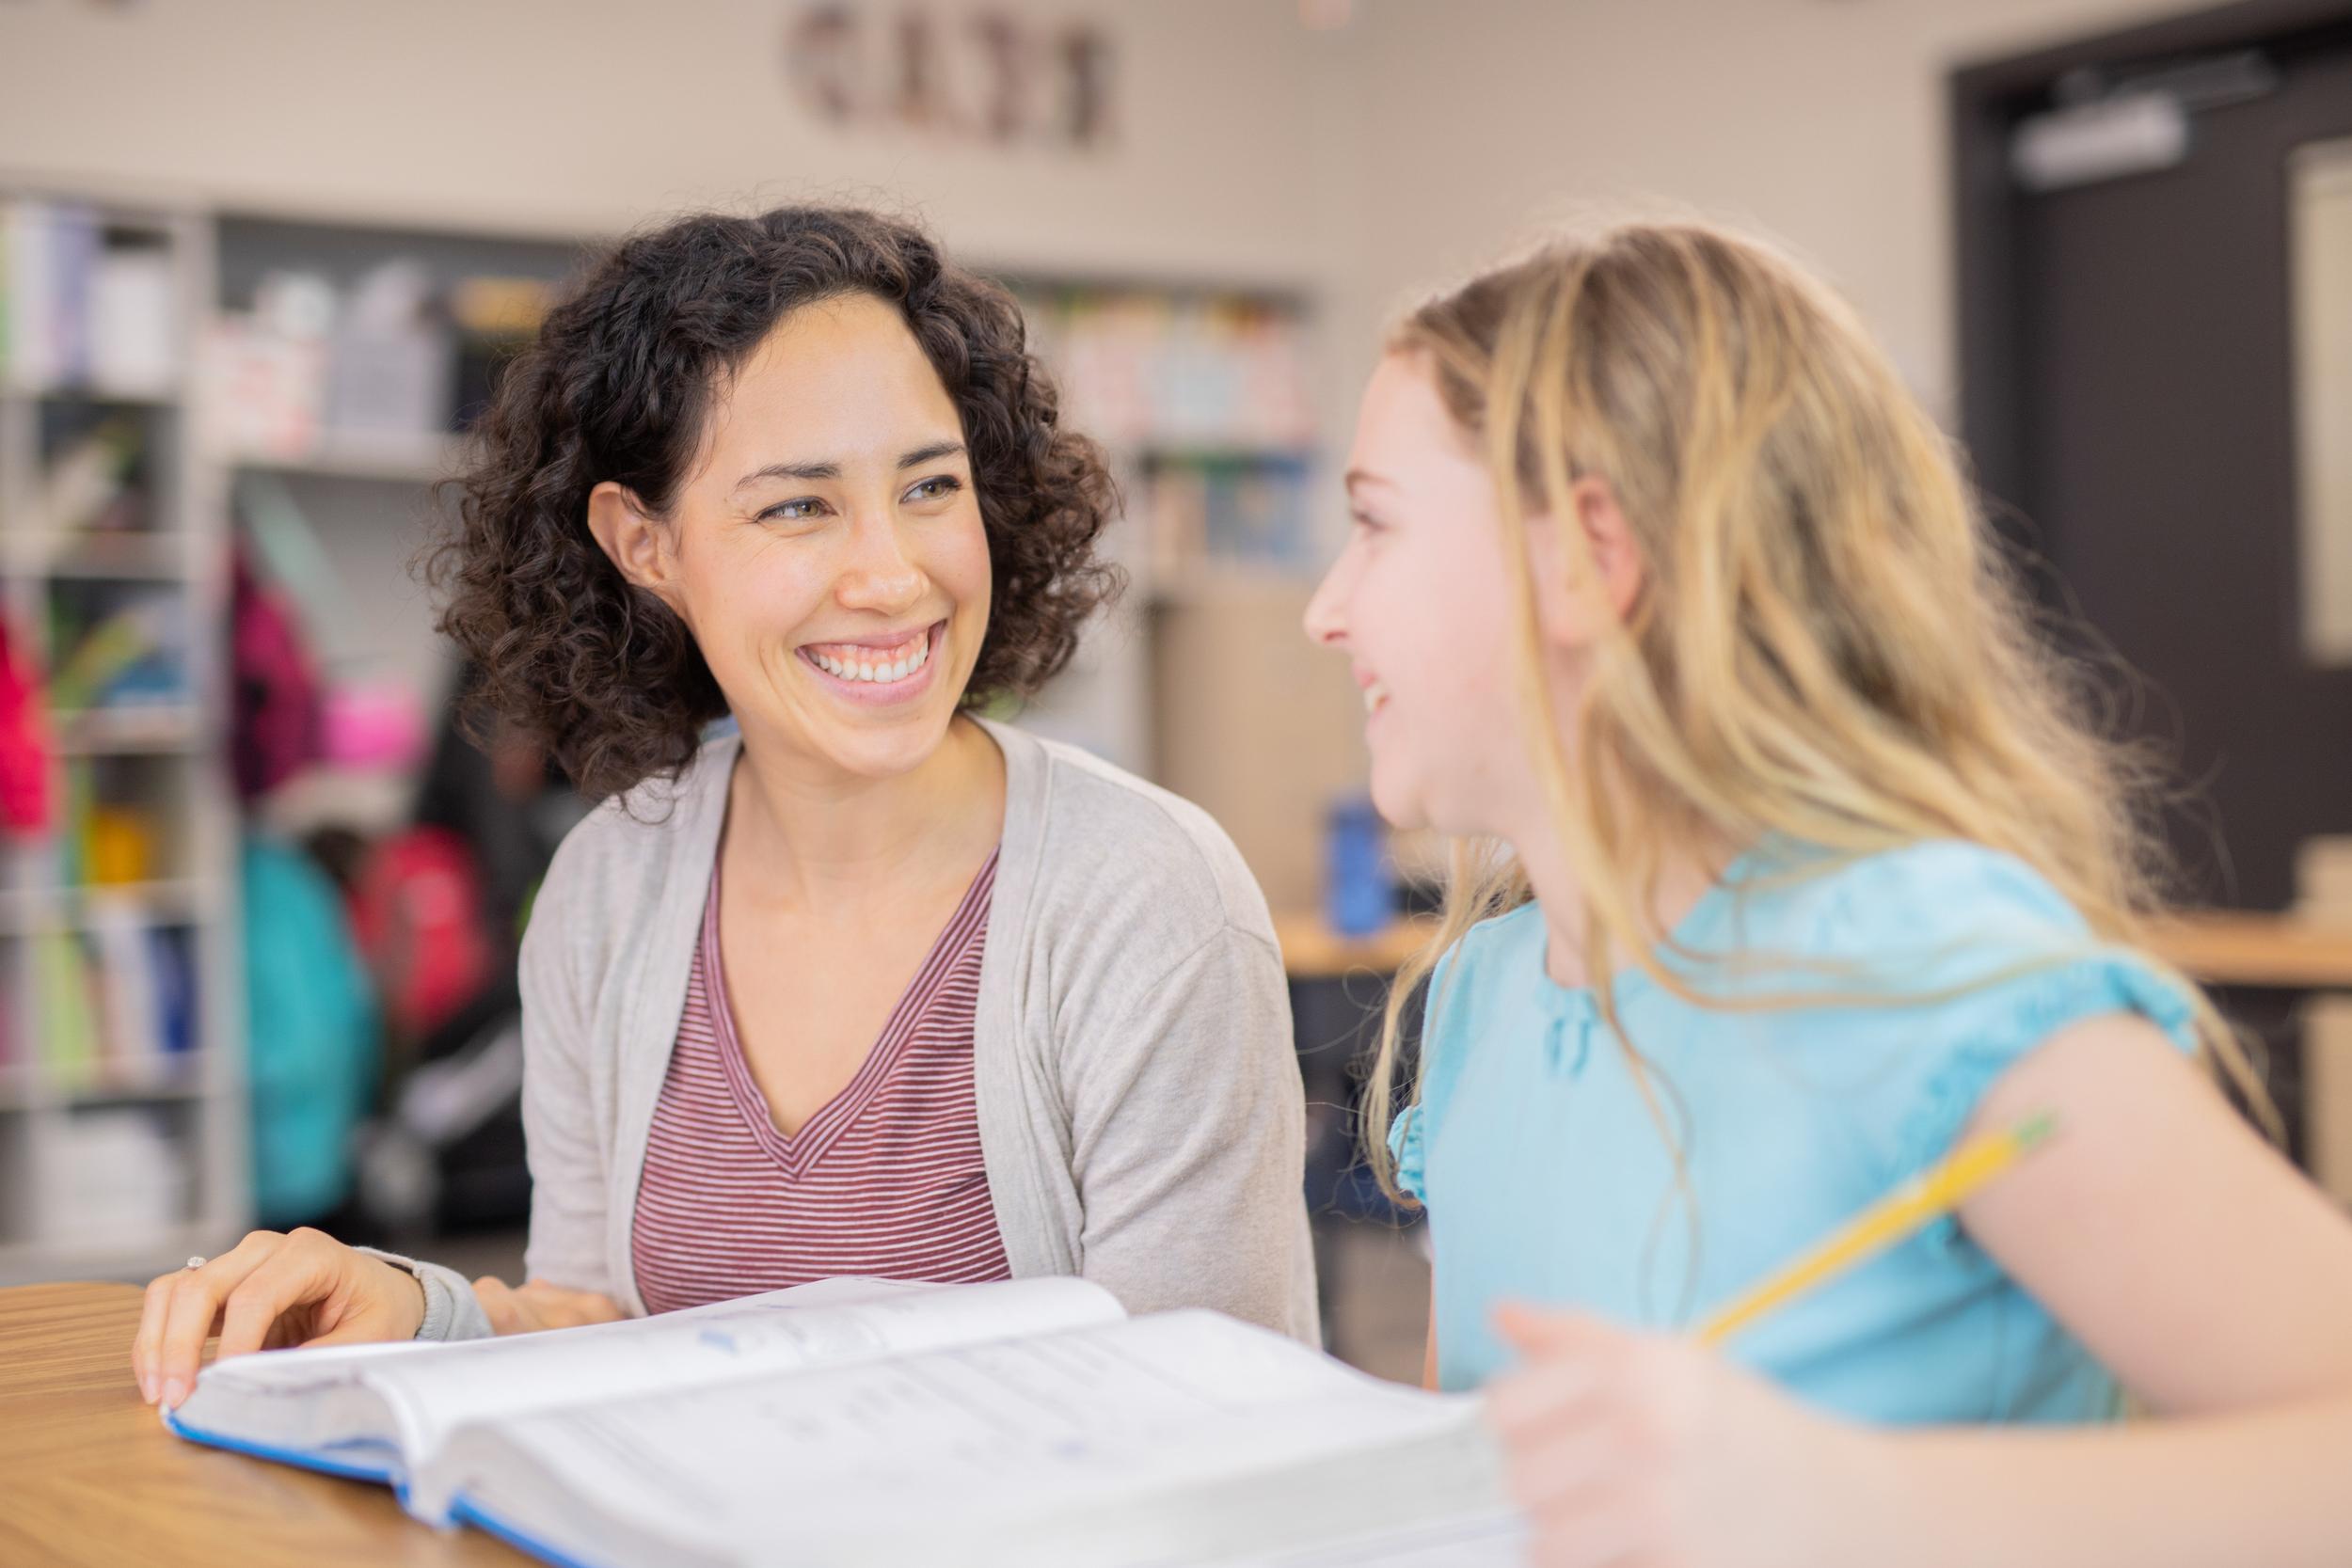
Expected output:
(1136, 386)
(65, 1118)
(1189, 386)
(394, 460)
(1203, 680)
(362, 493)
(364, 497)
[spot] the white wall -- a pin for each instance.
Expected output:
(1366, 162)
(1821, 122)
(589, 114)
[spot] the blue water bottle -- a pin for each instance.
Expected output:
(1359, 884)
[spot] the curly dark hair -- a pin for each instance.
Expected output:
(617, 387)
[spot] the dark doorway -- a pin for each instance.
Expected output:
(2129, 393)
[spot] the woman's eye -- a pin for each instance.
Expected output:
(935, 488)
(792, 510)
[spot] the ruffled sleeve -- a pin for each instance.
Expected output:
(1992, 1028)
(1445, 1012)
(1997, 962)
(1404, 1146)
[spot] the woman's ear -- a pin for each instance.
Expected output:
(1580, 591)
(641, 546)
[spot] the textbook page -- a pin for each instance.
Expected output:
(431, 1390)
(1498, 1539)
(1184, 1436)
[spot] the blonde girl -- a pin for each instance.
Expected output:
(1787, 863)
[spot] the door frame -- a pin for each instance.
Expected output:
(1986, 99)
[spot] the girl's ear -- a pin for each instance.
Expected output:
(642, 548)
(1580, 593)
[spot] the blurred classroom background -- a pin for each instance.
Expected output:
(260, 260)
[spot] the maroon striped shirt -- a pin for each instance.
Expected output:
(885, 1180)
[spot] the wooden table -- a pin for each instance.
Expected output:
(89, 1477)
(2278, 952)
(2275, 952)
(1311, 950)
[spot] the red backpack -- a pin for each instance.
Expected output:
(416, 909)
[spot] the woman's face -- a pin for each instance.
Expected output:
(1420, 601)
(827, 552)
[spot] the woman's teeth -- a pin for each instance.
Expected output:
(849, 662)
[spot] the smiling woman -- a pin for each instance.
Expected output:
(877, 987)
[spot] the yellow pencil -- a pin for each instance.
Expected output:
(1924, 1197)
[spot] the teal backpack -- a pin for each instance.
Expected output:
(312, 1039)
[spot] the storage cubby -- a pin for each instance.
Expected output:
(121, 1091)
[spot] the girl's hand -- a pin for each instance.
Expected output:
(1650, 1451)
(303, 1288)
(530, 1308)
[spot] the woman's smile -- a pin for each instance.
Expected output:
(875, 671)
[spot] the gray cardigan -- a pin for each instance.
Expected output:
(1141, 1113)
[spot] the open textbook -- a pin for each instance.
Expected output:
(867, 1422)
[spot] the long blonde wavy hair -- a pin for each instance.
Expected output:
(1827, 643)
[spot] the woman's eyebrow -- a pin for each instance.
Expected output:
(917, 458)
(789, 471)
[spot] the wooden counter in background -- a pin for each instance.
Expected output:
(2304, 963)
(1313, 951)
(2218, 948)
(2281, 952)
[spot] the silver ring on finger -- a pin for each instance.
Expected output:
(196, 1262)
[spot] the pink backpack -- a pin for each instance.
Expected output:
(275, 689)
(23, 743)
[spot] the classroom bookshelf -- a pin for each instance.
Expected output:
(345, 362)
(303, 382)
(1201, 396)
(122, 1121)
(1201, 680)
(1199, 389)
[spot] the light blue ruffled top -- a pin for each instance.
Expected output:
(1546, 1178)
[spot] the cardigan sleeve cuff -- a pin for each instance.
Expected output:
(452, 1311)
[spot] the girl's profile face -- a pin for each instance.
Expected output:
(1420, 601)
(828, 550)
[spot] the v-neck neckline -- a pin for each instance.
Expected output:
(796, 1151)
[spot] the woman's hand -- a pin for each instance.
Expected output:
(1648, 1451)
(530, 1308)
(303, 1288)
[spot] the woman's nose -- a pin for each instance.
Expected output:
(883, 576)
